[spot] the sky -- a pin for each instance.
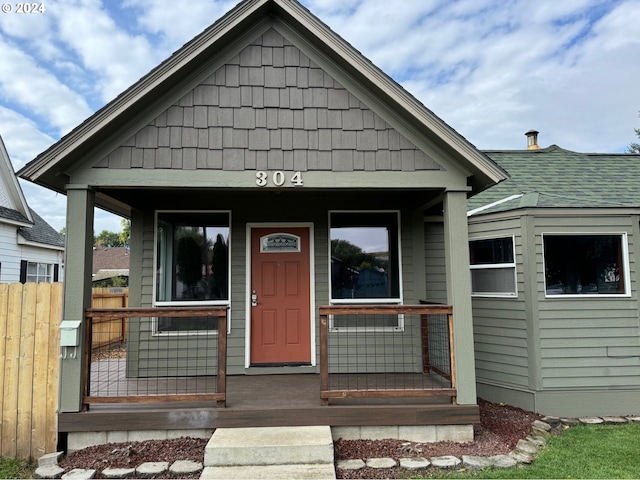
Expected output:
(491, 69)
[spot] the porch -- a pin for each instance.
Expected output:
(265, 401)
(367, 374)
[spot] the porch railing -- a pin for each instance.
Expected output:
(153, 366)
(386, 351)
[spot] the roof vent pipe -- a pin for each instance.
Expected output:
(532, 140)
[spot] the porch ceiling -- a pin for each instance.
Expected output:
(122, 201)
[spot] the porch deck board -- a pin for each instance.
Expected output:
(270, 400)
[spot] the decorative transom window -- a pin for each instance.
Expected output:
(493, 267)
(585, 264)
(192, 266)
(365, 263)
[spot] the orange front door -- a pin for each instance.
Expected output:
(280, 296)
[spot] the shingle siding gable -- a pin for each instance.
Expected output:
(269, 107)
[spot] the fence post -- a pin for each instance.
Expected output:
(222, 358)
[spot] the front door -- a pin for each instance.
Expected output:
(280, 296)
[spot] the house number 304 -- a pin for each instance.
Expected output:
(278, 178)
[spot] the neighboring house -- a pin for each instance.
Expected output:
(110, 263)
(243, 161)
(555, 253)
(30, 249)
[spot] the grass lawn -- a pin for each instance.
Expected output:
(10, 468)
(591, 451)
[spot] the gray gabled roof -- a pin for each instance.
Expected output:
(41, 232)
(553, 177)
(48, 168)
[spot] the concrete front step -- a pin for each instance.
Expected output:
(281, 446)
(320, 471)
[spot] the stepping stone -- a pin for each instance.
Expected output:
(381, 463)
(570, 422)
(356, 464)
(79, 474)
(416, 463)
(521, 457)
(503, 461)
(151, 469)
(591, 420)
(50, 471)
(541, 425)
(614, 420)
(526, 447)
(476, 463)
(185, 467)
(118, 472)
(446, 461)
(50, 459)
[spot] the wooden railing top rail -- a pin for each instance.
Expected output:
(211, 311)
(385, 309)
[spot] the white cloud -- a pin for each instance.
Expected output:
(116, 57)
(24, 82)
(22, 137)
(177, 22)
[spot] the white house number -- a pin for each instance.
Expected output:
(278, 178)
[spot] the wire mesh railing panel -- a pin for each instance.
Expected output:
(150, 365)
(392, 350)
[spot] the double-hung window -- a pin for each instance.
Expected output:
(39, 272)
(192, 266)
(589, 264)
(365, 262)
(493, 267)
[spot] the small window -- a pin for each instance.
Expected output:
(38, 272)
(192, 266)
(585, 264)
(365, 264)
(493, 267)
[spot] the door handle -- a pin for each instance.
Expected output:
(254, 298)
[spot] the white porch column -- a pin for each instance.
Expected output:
(456, 245)
(77, 288)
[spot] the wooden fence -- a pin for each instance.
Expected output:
(30, 316)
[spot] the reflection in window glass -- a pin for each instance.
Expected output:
(364, 256)
(493, 268)
(584, 264)
(39, 272)
(192, 264)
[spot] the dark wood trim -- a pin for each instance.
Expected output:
(148, 418)
(385, 309)
(155, 398)
(439, 392)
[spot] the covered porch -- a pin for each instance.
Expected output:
(388, 389)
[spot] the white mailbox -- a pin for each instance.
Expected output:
(70, 333)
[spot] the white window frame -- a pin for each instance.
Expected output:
(372, 301)
(47, 278)
(187, 303)
(492, 266)
(625, 265)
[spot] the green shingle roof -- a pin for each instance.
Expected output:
(553, 177)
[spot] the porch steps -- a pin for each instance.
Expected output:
(270, 452)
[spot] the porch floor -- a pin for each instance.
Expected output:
(270, 400)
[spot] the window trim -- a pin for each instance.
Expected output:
(492, 266)
(187, 303)
(625, 265)
(370, 301)
(49, 277)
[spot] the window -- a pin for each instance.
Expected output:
(493, 267)
(365, 261)
(192, 265)
(585, 264)
(37, 272)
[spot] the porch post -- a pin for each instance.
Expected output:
(77, 289)
(456, 246)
